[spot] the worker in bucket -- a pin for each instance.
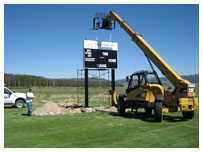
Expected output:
(29, 98)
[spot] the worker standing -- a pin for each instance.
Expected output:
(29, 98)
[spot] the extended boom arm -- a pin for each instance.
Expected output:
(164, 67)
(182, 98)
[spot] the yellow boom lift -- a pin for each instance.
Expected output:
(145, 89)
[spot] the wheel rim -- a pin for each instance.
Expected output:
(19, 105)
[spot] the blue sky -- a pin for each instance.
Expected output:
(47, 40)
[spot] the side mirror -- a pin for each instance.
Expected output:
(127, 78)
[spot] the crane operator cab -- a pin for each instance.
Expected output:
(144, 91)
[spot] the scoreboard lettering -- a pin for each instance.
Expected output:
(101, 55)
(95, 58)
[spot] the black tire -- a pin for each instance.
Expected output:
(158, 116)
(148, 111)
(19, 103)
(188, 115)
(121, 106)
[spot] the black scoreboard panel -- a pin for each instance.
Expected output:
(102, 59)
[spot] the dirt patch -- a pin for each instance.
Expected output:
(52, 108)
(106, 109)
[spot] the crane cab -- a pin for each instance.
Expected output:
(144, 91)
(144, 86)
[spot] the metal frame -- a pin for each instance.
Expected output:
(83, 83)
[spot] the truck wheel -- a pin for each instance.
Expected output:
(121, 107)
(188, 115)
(148, 111)
(19, 103)
(158, 116)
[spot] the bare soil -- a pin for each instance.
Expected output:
(52, 108)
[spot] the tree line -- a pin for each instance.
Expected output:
(18, 80)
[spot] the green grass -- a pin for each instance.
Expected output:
(62, 94)
(97, 129)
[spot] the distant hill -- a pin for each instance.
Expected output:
(192, 78)
(18, 80)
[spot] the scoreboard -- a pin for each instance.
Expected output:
(100, 55)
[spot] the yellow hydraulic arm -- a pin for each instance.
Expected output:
(164, 67)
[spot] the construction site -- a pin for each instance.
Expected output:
(145, 89)
(137, 107)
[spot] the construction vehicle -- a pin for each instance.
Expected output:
(145, 89)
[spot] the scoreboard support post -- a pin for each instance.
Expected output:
(112, 84)
(99, 55)
(86, 87)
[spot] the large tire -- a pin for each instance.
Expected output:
(121, 106)
(158, 116)
(188, 115)
(148, 111)
(19, 103)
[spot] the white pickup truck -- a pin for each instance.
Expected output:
(14, 98)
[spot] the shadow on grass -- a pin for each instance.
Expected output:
(10, 107)
(148, 117)
(24, 114)
(136, 115)
(174, 118)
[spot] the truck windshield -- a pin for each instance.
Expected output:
(6, 91)
(151, 78)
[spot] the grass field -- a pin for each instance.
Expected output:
(67, 93)
(97, 129)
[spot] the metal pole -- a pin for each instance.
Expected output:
(99, 89)
(112, 84)
(77, 87)
(104, 73)
(86, 87)
(109, 87)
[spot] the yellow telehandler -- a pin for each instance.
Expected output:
(145, 89)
